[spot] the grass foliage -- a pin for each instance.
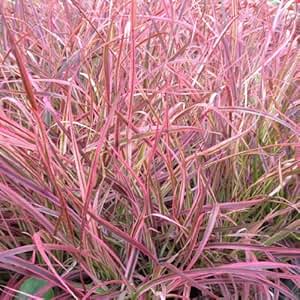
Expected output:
(150, 149)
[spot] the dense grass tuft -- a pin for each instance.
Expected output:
(149, 149)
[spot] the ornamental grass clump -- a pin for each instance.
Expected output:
(149, 149)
